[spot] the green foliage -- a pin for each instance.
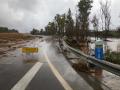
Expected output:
(64, 24)
(84, 10)
(113, 57)
(60, 23)
(84, 7)
(50, 28)
(41, 32)
(35, 32)
(69, 24)
(118, 30)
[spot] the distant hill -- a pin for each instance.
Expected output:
(6, 30)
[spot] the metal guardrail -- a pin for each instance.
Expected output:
(113, 68)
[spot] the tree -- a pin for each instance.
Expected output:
(118, 30)
(6, 30)
(77, 25)
(53, 28)
(60, 24)
(84, 7)
(106, 19)
(57, 22)
(95, 22)
(34, 32)
(41, 32)
(14, 30)
(50, 28)
(69, 24)
(118, 27)
(105, 16)
(47, 29)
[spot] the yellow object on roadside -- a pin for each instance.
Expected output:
(29, 50)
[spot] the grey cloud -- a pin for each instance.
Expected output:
(27, 5)
(26, 14)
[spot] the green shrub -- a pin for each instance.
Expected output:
(113, 57)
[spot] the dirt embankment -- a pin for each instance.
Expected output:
(9, 40)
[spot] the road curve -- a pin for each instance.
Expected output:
(48, 70)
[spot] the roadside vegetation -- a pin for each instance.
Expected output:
(111, 33)
(113, 57)
(77, 30)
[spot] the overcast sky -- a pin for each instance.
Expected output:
(26, 14)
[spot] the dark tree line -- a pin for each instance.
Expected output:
(6, 30)
(35, 32)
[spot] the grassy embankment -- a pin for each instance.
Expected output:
(113, 57)
(6, 37)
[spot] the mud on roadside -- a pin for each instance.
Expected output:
(11, 41)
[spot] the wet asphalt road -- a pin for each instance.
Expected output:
(55, 72)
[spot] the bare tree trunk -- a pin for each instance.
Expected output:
(106, 19)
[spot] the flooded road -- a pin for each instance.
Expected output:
(46, 70)
(20, 71)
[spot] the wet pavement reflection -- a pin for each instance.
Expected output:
(99, 80)
(83, 81)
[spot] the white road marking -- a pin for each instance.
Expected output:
(57, 74)
(23, 83)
